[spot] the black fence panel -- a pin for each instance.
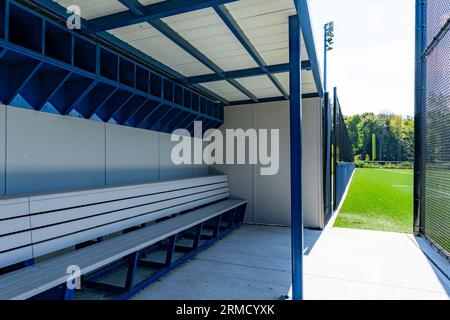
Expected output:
(433, 112)
(327, 122)
(343, 166)
(344, 172)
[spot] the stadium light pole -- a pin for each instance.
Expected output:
(328, 46)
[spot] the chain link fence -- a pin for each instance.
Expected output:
(432, 207)
(342, 153)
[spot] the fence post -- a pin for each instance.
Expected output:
(420, 73)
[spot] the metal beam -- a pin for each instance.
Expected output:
(296, 157)
(152, 12)
(189, 48)
(246, 73)
(121, 46)
(308, 37)
(273, 99)
(234, 27)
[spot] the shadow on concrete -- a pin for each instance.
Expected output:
(439, 264)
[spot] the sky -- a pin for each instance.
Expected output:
(372, 63)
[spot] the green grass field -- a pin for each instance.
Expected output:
(379, 199)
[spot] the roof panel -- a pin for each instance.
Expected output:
(150, 41)
(260, 86)
(225, 90)
(93, 9)
(145, 2)
(308, 84)
(265, 23)
(205, 30)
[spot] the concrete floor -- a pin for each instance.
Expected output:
(254, 263)
(251, 263)
(355, 264)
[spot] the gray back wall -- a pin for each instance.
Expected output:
(270, 196)
(41, 152)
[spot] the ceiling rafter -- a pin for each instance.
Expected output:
(234, 27)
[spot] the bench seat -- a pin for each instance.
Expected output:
(31, 281)
(34, 226)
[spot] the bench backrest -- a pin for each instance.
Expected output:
(34, 226)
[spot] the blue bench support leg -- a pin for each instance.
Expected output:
(232, 218)
(170, 250)
(69, 294)
(198, 236)
(133, 260)
(28, 263)
(217, 227)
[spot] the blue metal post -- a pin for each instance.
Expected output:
(325, 59)
(419, 109)
(296, 157)
(328, 126)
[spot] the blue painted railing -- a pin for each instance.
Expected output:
(344, 172)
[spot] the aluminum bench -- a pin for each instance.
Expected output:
(151, 217)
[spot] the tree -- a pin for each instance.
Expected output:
(394, 136)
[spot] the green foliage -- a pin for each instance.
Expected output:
(384, 165)
(379, 199)
(394, 137)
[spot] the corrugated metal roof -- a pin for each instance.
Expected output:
(205, 30)
(150, 41)
(226, 90)
(308, 84)
(204, 34)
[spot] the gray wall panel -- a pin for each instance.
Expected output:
(199, 169)
(131, 155)
(313, 211)
(2, 149)
(47, 152)
(272, 193)
(240, 176)
(269, 196)
(167, 169)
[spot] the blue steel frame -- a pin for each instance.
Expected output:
(154, 12)
(228, 19)
(139, 13)
(150, 111)
(138, 9)
(246, 73)
(55, 70)
(210, 231)
(185, 45)
(308, 36)
(296, 157)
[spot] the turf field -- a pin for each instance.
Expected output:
(379, 199)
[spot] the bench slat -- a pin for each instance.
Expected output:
(14, 207)
(40, 220)
(53, 202)
(14, 225)
(62, 229)
(15, 256)
(28, 282)
(15, 240)
(43, 248)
